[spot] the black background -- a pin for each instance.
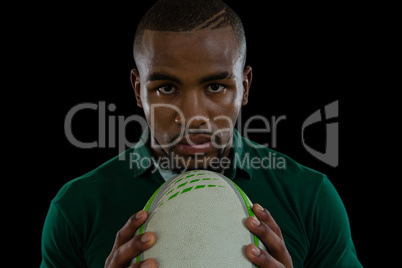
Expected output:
(303, 58)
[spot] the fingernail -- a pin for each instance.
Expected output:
(146, 264)
(140, 214)
(255, 251)
(145, 237)
(259, 207)
(256, 222)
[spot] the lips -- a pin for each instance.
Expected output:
(194, 144)
(193, 139)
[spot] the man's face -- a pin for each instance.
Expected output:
(191, 86)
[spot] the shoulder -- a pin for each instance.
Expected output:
(278, 166)
(91, 185)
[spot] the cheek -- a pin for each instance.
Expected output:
(160, 117)
(230, 105)
(225, 114)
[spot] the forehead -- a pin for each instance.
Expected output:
(197, 49)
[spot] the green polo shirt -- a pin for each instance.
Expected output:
(87, 212)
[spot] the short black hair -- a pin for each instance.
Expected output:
(190, 15)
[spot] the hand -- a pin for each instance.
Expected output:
(127, 246)
(266, 229)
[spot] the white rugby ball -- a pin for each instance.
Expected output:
(199, 219)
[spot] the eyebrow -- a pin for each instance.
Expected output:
(161, 76)
(216, 76)
(167, 77)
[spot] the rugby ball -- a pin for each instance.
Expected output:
(199, 219)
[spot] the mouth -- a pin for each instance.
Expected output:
(194, 144)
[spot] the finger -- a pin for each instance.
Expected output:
(266, 217)
(275, 244)
(261, 258)
(125, 234)
(128, 230)
(124, 254)
(150, 263)
(270, 239)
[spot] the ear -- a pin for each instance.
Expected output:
(247, 77)
(135, 82)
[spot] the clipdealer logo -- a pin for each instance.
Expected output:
(113, 127)
(331, 154)
(107, 134)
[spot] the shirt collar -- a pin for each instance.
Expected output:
(239, 158)
(141, 156)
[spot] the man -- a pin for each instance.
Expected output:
(191, 81)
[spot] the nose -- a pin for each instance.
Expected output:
(193, 111)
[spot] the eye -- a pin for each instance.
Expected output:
(167, 89)
(215, 88)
